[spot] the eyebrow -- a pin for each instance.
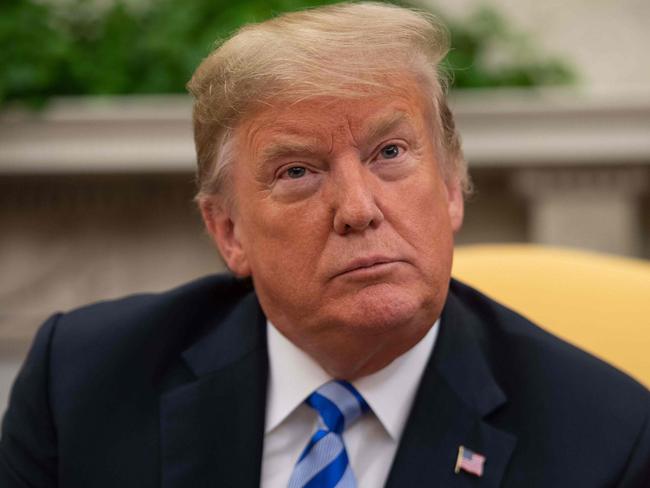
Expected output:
(384, 126)
(287, 148)
(377, 129)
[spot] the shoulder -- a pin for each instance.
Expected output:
(559, 397)
(139, 337)
(510, 340)
(186, 308)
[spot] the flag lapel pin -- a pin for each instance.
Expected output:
(469, 461)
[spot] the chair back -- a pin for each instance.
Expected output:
(598, 302)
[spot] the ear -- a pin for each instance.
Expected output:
(223, 229)
(455, 204)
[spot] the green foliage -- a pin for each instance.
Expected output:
(31, 50)
(79, 47)
(487, 53)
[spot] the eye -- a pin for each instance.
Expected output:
(296, 172)
(390, 152)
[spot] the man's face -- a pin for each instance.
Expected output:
(342, 217)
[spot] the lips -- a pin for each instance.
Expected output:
(366, 263)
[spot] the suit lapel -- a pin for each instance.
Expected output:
(212, 429)
(456, 393)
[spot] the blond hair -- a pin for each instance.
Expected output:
(342, 50)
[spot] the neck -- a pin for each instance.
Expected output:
(350, 355)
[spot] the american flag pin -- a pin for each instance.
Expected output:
(469, 461)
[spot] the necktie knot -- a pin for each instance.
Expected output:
(338, 405)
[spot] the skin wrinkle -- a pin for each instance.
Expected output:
(285, 146)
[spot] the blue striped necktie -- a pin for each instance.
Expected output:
(324, 462)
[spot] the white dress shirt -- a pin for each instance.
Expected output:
(371, 442)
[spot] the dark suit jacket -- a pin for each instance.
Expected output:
(169, 390)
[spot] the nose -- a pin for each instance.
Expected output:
(355, 204)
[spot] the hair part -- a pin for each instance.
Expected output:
(347, 50)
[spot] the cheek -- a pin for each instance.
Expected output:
(420, 215)
(283, 239)
(423, 208)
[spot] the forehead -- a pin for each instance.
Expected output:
(326, 118)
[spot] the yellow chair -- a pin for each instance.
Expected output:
(598, 302)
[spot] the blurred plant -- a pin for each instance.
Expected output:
(486, 52)
(81, 47)
(31, 50)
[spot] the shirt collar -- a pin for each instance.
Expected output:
(294, 375)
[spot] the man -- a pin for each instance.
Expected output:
(331, 179)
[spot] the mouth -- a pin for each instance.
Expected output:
(368, 266)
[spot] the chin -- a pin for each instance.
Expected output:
(383, 308)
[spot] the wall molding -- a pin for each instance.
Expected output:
(500, 128)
